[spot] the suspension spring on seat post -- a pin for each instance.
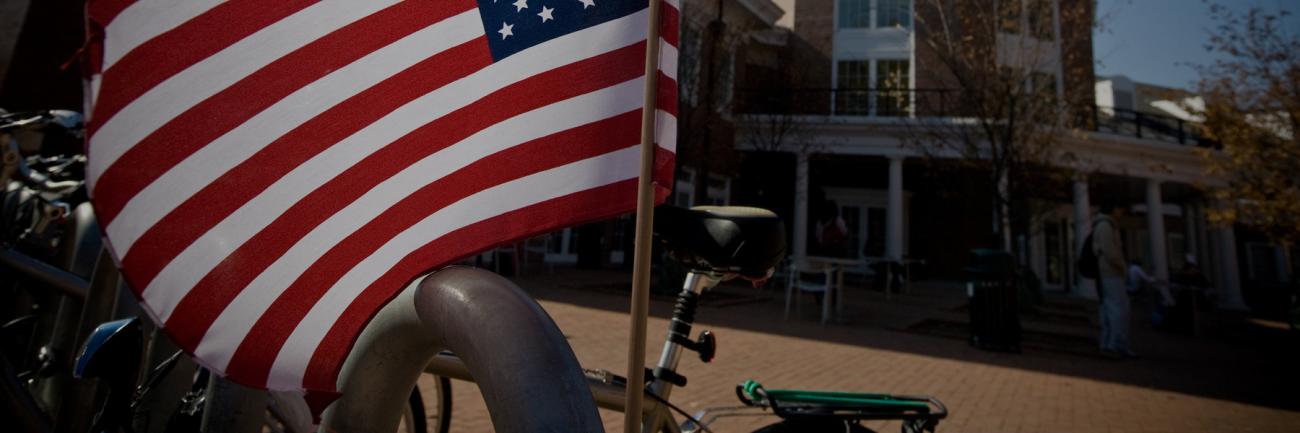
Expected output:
(684, 314)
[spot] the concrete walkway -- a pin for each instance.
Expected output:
(1241, 376)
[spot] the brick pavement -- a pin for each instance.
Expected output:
(1227, 383)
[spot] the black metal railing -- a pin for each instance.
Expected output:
(911, 102)
(880, 102)
(1123, 121)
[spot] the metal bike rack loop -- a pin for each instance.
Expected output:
(528, 374)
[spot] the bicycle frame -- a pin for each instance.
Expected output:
(609, 390)
(459, 308)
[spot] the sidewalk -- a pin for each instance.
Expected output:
(1239, 377)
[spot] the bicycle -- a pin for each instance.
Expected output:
(43, 227)
(718, 244)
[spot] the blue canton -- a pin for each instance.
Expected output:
(512, 26)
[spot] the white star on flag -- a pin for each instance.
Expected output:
(587, 3)
(521, 5)
(546, 14)
(506, 30)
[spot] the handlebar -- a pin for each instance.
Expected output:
(71, 121)
(14, 165)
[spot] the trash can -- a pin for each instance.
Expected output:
(994, 309)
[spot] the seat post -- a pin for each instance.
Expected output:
(679, 328)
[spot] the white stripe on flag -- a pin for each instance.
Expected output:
(291, 363)
(95, 81)
(225, 335)
(234, 147)
(183, 272)
(145, 20)
(668, 59)
(200, 81)
(666, 130)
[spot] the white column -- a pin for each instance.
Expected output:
(1229, 278)
(894, 213)
(1204, 249)
(1156, 231)
(1082, 228)
(800, 207)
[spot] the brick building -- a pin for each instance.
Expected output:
(854, 77)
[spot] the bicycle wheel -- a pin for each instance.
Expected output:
(428, 411)
(413, 416)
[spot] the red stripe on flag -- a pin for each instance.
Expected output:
(232, 190)
(670, 24)
(666, 99)
(664, 168)
(597, 203)
(103, 11)
(253, 360)
(219, 287)
(197, 127)
(160, 58)
(205, 209)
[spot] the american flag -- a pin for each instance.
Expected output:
(270, 173)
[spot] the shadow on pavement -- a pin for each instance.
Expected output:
(1237, 358)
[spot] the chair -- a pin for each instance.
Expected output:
(822, 281)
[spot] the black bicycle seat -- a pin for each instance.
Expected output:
(746, 240)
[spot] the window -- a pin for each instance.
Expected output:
(718, 190)
(1040, 19)
(892, 83)
(853, 79)
(854, 14)
(875, 242)
(1123, 99)
(684, 190)
(852, 216)
(1264, 262)
(894, 13)
(1009, 16)
(619, 238)
(1035, 16)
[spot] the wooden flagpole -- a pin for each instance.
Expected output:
(644, 223)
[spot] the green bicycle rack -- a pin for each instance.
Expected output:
(918, 413)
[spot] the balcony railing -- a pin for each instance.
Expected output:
(889, 103)
(1150, 126)
(847, 102)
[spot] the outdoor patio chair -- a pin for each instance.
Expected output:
(811, 277)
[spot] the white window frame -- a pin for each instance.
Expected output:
(684, 188)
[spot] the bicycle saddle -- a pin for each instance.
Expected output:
(745, 240)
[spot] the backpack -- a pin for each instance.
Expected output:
(1087, 264)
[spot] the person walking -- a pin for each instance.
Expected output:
(1112, 289)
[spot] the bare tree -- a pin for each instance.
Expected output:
(1252, 107)
(770, 103)
(711, 35)
(996, 100)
